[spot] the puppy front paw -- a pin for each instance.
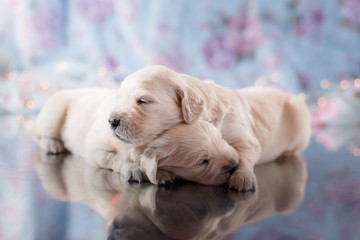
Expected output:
(165, 177)
(51, 145)
(133, 173)
(242, 181)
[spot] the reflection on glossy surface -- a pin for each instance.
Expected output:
(180, 211)
(39, 204)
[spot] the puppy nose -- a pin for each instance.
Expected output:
(114, 122)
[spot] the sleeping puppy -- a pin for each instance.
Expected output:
(194, 152)
(76, 120)
(260, 123)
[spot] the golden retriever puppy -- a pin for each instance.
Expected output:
(77, 119)
(260, 123)
(98, 123)
(146, 104)
(195, 152)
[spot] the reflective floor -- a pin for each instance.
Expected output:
(316, 196)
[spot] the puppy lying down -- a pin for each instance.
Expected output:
(154, 106)
(77, 120)
(194, 152)
(261, 124)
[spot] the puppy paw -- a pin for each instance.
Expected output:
(165, 177)
(51, 145)
(133, 173)
(44, 158)
(242, 181)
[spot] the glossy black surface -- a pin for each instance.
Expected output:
(316, 196)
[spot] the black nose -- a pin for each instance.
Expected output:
(114, 122)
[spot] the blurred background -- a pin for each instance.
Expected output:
(310, 48)
(306, 47)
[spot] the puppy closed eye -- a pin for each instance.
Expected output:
(203, 162)
(143, 100)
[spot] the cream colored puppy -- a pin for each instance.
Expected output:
(194, 152)
(260, 123)
(77, 120)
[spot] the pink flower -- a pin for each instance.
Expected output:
(314, 15)
(299, 29)
(351, 9)
(216, 55)
(243, 34)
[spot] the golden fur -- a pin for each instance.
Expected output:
(193, 152)
(259, 123)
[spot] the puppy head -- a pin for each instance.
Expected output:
(151, 101)
(194, 152)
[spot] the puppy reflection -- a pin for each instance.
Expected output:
(187, 213)
(182, 211)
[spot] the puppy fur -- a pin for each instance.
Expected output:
(76, 120)
(195, 152)
(260, 123)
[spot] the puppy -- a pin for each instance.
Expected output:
(260, 123)
(76, 120)
(193, 152)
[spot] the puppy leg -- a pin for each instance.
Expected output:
(164, 177)
(244, 179)
(49, 123)
(102, 151)
(133, 173)
(117, 162)
(51, 146)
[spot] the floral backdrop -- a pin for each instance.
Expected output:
(306, 47)
(309, 48)
(291, 42)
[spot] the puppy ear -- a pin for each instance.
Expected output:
(148, 161)
(192, 103)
